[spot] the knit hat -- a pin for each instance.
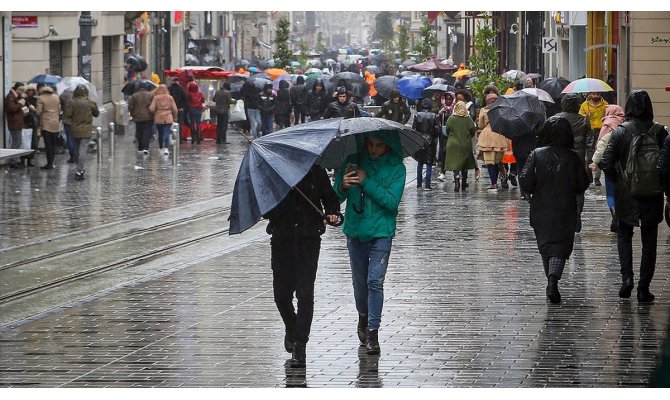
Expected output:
(491, 96)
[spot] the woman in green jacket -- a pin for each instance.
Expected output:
(80, 111)
(372, 181)
(459, 156)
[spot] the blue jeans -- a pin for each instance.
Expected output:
(267, 124)
(369, 261)
(255, 121)
(69, 140)
(610, 188)
(194, 117)
(419, 174)
(164, 134)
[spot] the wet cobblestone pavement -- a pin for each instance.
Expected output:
(464, 295)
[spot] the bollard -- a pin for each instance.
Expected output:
(111, 139)
(99, 137)
(175, 140)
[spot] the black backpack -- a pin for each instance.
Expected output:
(640, 174)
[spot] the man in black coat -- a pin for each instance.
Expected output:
(298, 95)
(428, 124)
(631, 211)
(296, 229)
(222, 99)
(342, 107)
(180, 97)
(316, 101)
(396, 110)
(554, 175)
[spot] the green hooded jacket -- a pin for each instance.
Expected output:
(381, 191)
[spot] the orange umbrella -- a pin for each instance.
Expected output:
(461, 72)
(275, 73)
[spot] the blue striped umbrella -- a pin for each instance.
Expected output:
(587, 85)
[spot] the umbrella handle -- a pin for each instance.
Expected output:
(340, 220)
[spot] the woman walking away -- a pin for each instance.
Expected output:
(80, 111)
(553, 176)
(459, 157)
(165, 113)
(491, 145)
(614, 116)
(196, 104)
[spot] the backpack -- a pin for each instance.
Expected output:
(640, 174)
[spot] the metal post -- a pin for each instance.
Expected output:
(111, 140)
(99, 137)
(175, 141)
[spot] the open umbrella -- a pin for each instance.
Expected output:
(408, 73)
(432, 89)
(326, 79)
(66, 87)
(45, 79)
(513, 74)
(132, 86)
(461, 73)
(275, 83)
(435, 81)
(314, 63)
(295, 64)
(587, 85)
(412, 86)
(540, 94)
(136, 63)
(384, 85)
(275, 73)
(343, 78)
(554, 86)
(276, 163)
(314, 71)
(516, 114)
(256, 83)
(533, 76)
(408, 63)
(358, 89)
(372, 68)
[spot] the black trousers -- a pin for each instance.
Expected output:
(50, 145)
(294, 263)
(283, 120)
(221, 127)
(143, 134)
(648, 259)
(299, 114)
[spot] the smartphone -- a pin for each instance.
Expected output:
(350, 168)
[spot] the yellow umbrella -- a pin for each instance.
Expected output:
(275, 73)
(461, 73)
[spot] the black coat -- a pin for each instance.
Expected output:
(316, 103)
(283, 102)
(554, 176)
(428, 125)
(294, 215)
(664, 165)
(581, 127)
(630, 210)
(398, 112)
(346, 110)
(179, 95)
(298, 95)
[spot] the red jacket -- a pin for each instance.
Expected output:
(195, 97)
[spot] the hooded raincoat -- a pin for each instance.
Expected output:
(80, 111)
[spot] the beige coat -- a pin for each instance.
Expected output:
(163, 106)
(489, 140)
(48, 109)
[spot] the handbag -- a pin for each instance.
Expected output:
(236, 112)
(26, 138)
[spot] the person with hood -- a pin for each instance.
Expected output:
(528, 83)
(165, 113)
(459, 157)
(631, 211)
(428, 124)
(267, 105)
(296, 230)
(15, 110)
(180, 97)
(298, 94)
(138, 106)
(491, 145)
(614, 116)
(342, 107)
(196, 105)
(395, 109)
(48, 112)
(593, 108)
(283, 106)
(553, 176)
(80, 111)
(372, 182)
(316, 101)
(223, 99)
(252, 100)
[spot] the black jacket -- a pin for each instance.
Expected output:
(428, 125)
(179, 95)
(283, 103)
(630, 210)
(664, 165)
(316, 103)
(298, 95)
(346, 110)
(581, 127)
(554, 176)
(398, 112)
(223, 100)
(294, 215)
(267, 103)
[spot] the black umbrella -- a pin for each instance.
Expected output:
(384, 85)
(256, 83)
(358, 89)
(133, 86)
(136, 63)
(276, 163)
(326, 79)
(236, 89)
(437, 87)
(554, 86)
(346, 77)
(516, 114)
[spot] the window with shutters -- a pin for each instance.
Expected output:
(106, 69)
(56, 57)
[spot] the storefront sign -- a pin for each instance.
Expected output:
(24, 21)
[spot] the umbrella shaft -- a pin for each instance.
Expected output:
(309, 201)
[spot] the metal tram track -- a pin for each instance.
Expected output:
(104, 241)
(117, 265)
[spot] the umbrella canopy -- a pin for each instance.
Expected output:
(372, 68)
(314, 63)
(513, 74)
(314, 71)
(132, 86)
(358, 89)
(431, 65)
(408, 73)
(346, 77)
(408, 63)
(554, 86)
(294, 78)
(275, 73)
(275, 83)
(587, 85)
(295, 64)
(326, 79)
(441, 88)
(397, 61)
(136, 63)
(435, 81)
(533, 75)
(330, 61)
(412, 86)
(45, 79)
(461, 73)
(256, 83)
(540, 94)
(516, 114)
(274, 164)
(66, 87)
(384, 85)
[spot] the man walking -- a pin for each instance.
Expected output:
(593, 109)
(138, 106)
(298, 94)
(394, 109)
(223, 100)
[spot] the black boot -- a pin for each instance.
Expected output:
(464, 183)
(298, 357)
(644, 295)
(615, 222)
(457, 185)
(552, 290)
(362, 327)
(288, 340)
(627, 288)
(372, 346)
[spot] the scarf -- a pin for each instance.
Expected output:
(460, 110)
(614, 116)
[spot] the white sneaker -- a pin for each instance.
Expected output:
(145, 151)
(166, 151)
(140, 152)
(442, 178)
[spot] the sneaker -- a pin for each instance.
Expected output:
(140, 152)
(145, 151)
(166, 151)
(442, 178)
(428, 188)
